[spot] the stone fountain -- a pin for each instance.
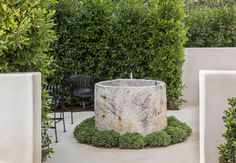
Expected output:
(131, 105)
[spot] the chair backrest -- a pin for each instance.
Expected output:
(81, 82)
(55, 93)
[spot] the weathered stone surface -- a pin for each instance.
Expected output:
(131, 105)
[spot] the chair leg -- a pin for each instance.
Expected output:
(63, 116)
(71, 112)
(55, 125)
(83, 105)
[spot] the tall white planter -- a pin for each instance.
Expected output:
(197, 59)
(215, 88)
(20, 118)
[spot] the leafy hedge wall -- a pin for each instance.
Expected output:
(227, 150)
(26, 32)
(212, 27)
(113, 39)
(193, 4)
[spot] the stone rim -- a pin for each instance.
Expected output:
(103, 83)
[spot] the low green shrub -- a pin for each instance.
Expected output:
(177, 134)
(227, 150)
(87, 133)
(174, 122)
(131, 141)
(106, 139)
(158, 139)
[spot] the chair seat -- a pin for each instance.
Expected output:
(83, 93)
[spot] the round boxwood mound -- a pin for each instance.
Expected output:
(175, 132)
(131, 141)
(158, 139)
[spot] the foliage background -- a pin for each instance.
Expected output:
(26, 33)
(193, 4)
(113, 39)
(211, 23)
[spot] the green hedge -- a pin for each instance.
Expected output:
(227, 150)
(26, 33)
(113, 39)
(212, 27)
(193, 4)
(175, 132)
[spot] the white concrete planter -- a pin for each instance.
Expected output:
(215, 88)
(20, 118)
(197, 59)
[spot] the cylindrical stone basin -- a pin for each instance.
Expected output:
(131, 105)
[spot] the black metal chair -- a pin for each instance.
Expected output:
(82, 89)
(57, 106)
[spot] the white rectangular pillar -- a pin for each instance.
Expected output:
(215, 88)
(20, 118)
(197, 59)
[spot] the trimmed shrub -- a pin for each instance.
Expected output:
(177, 134)
(174, 122)
(87, 133)
(131, 141)
(113, 39)
(212, 27)
(26, 34)
(106, 139)
(158, 139)
(227, 150)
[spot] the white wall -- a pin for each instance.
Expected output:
(20, 118)
(204, 59)
(215, 88)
